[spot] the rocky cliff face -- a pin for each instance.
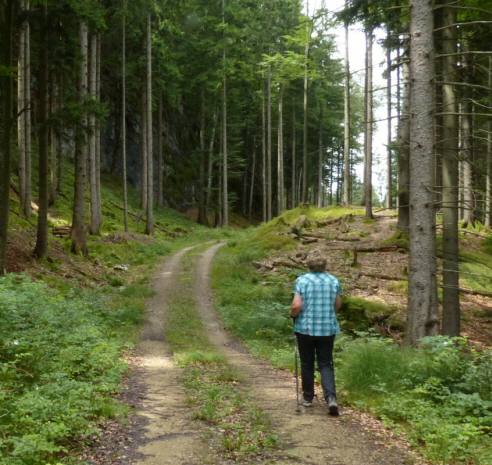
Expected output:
(177, 193)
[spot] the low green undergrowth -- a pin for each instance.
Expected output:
(59, 368)
(319, 214)
(440, 394)
(257, 312)
(237, 427)
(476, 268)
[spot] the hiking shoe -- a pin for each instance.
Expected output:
(332, 406)
(305, 403)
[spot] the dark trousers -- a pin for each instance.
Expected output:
(320, 347)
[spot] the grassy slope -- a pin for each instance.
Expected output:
(439, 395)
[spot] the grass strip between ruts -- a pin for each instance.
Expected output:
(217, 395)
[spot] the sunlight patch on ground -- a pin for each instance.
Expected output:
(157, 362)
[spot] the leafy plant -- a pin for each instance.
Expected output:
(59, 366)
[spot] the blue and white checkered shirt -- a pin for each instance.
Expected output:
(318, 292)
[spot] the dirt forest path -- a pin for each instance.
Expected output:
(172, 437)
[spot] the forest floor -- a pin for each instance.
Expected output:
(163, 430)
(380, 272)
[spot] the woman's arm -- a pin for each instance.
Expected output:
(295, 307)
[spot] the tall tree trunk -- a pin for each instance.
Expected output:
(225, 218)
(6, 86)
(263, 153)
(218, 213)
(294, 174)
(403, 152)
(98, 135)
(280, 159)
(160, 155)
(339, 174)
(368, 157)
(123, 116)
(488, 181)
(41, 248)
(450, 243)
(467, 148)
(389, 194)
(54, 143)
(78, 238)
(346, 136)
(422, 317)
(320, 159)
(366, 116)
(247, 156)
(201, 193)
(210, 163)
(27, 88)
(149, 229)
(25, 164)
(22, 109)
(304, 193)
(94, 223)
(145, 151)
(252, 184)
(269, 145)
(59, 161)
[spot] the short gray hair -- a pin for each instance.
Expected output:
(316, 262)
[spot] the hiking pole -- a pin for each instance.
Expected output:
(296, 351)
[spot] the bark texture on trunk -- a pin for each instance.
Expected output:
(54, 144)
(294, 169)
(403, 152)
(320, 160)
(210, 163)
(450, 244)
(77, 236)
(6, 86)
(21, 109)
(98, 135)
(280, 159)
(149, 228)
(28, 140)
(145, 152)
(389, 196)
(41, 247)
(269, 145)
(94, 222)
(467, 148)
(346, 135)
(304, 192)
(252, 184)
(123, 118)
(160, 154)
(368, 157)
(225, 217)
(263, 153)
(201, 181)
(422, 317)
(488, 181)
